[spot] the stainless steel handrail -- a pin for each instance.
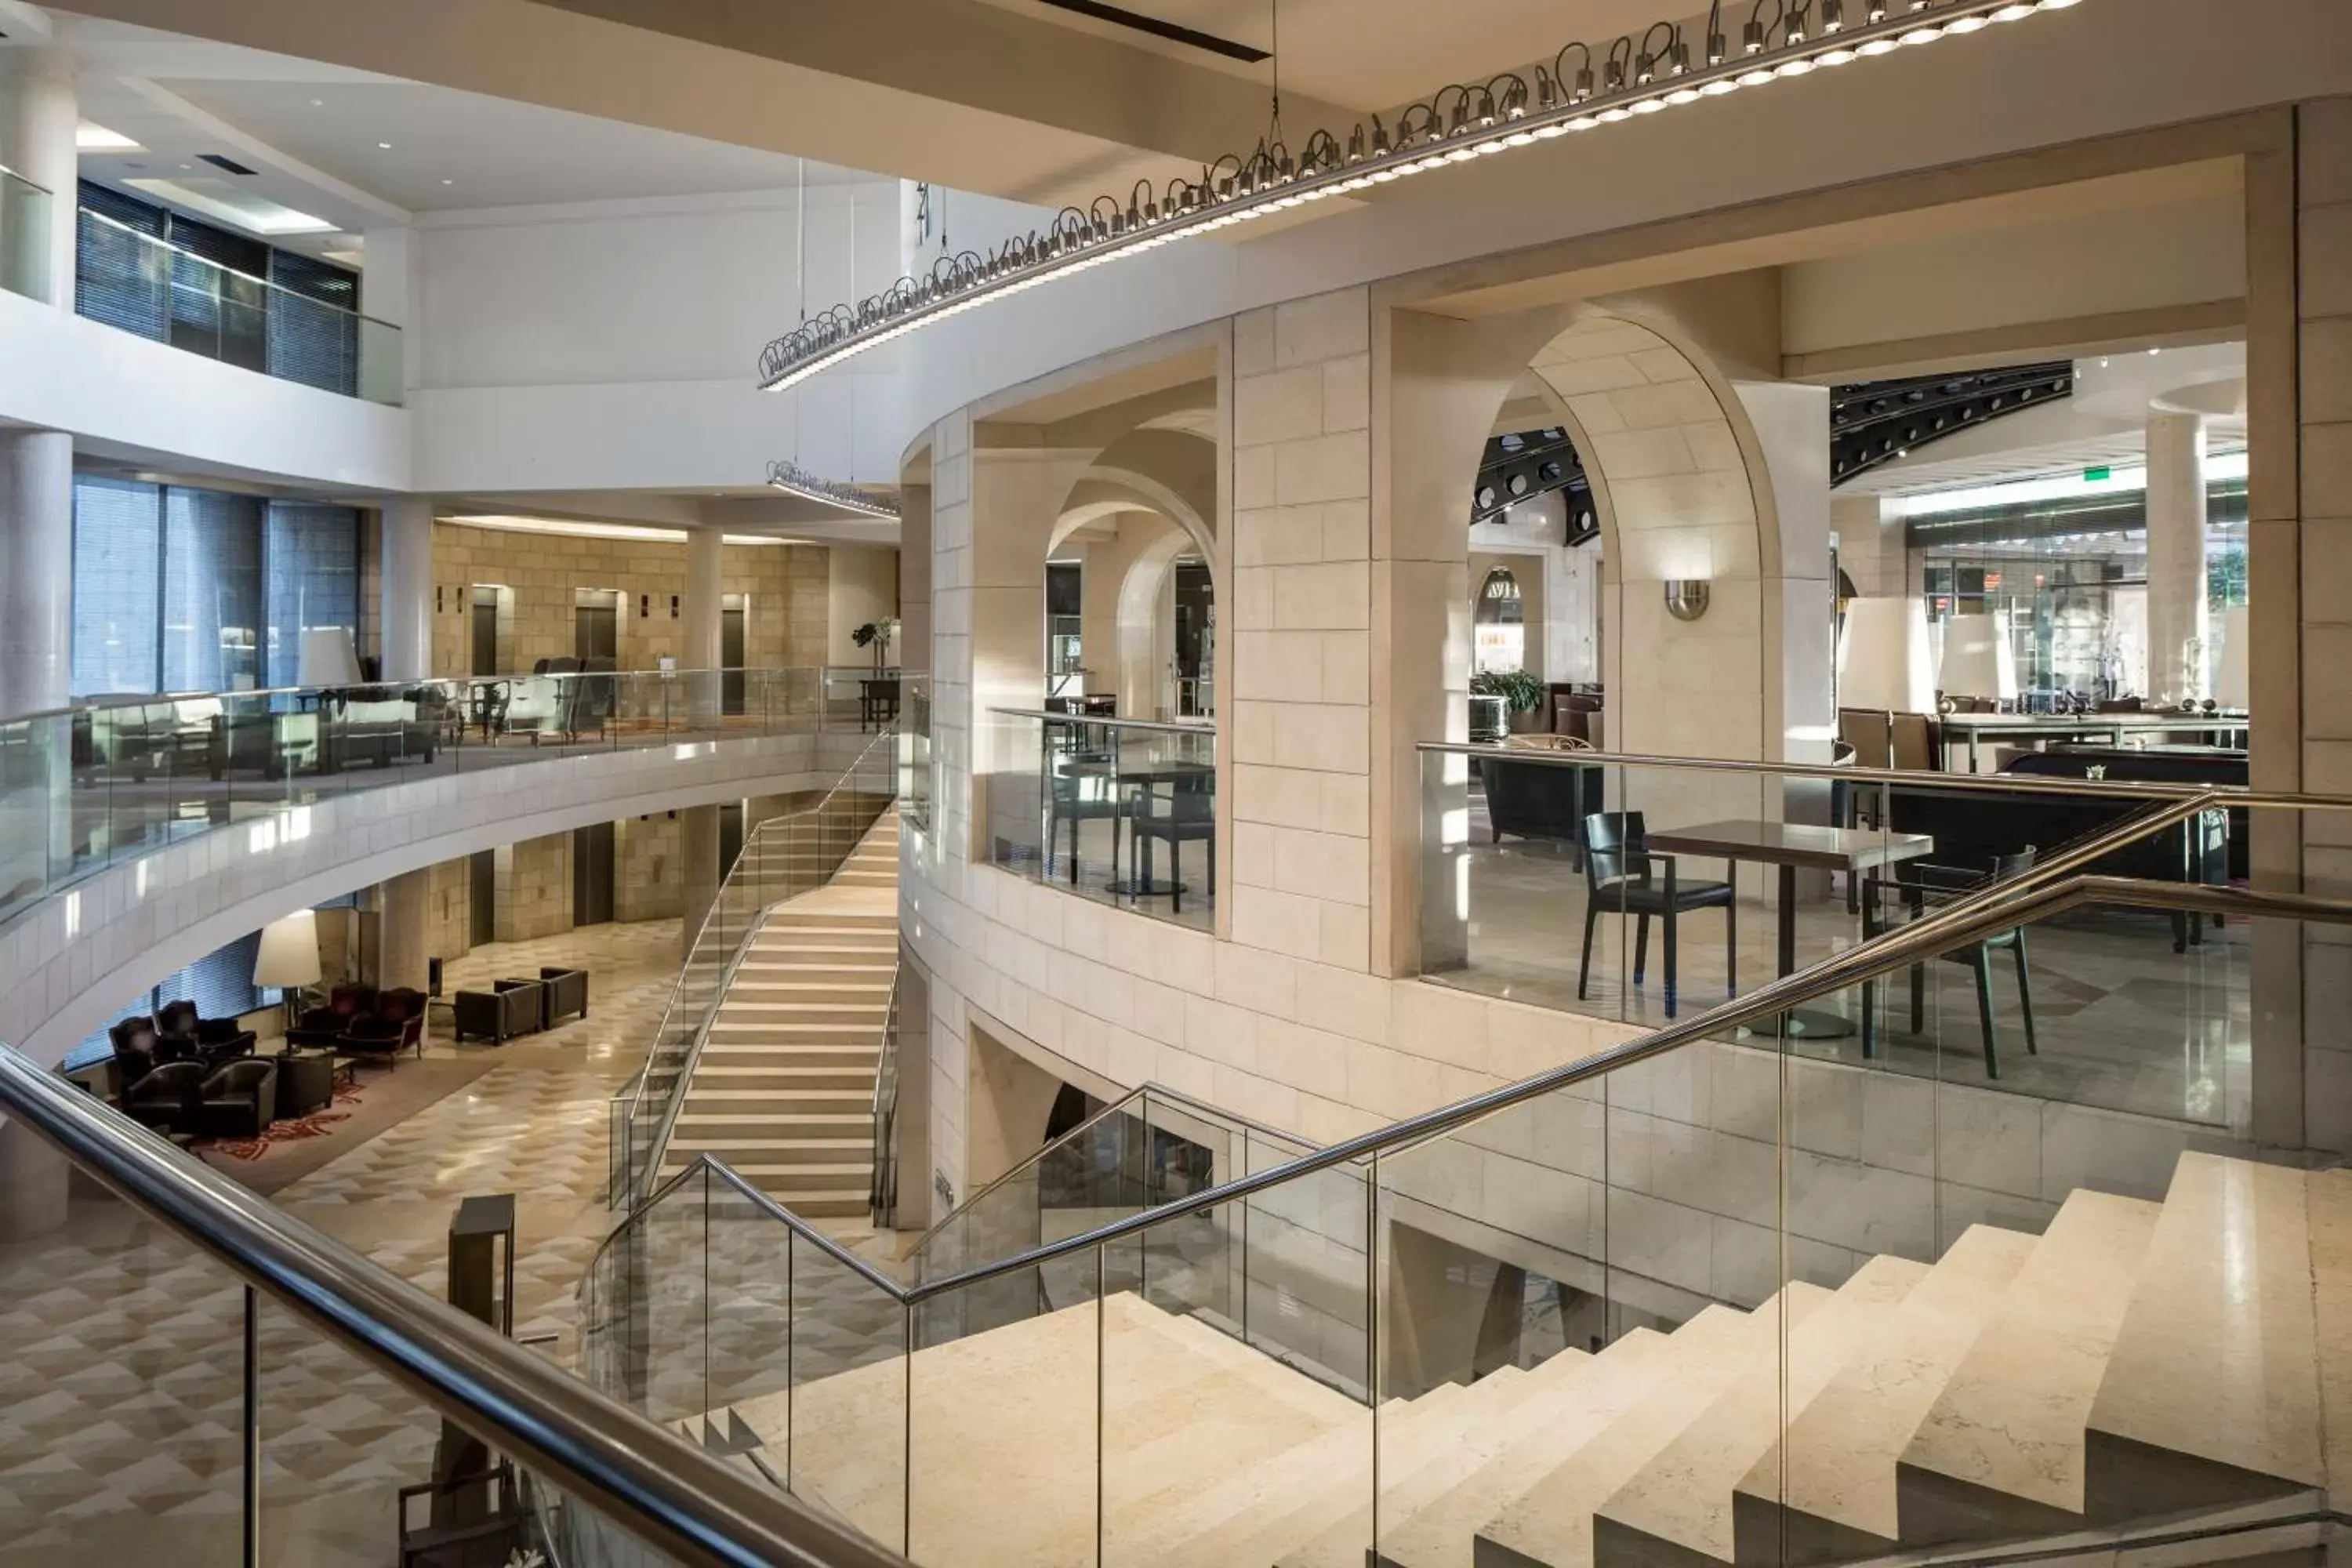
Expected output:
(682, 1502)
(2008, 784)
(2060, 883)
(887, 736)
(1154, 726)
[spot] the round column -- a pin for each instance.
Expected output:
(39, 109)
(407, 537)
(2177, 630)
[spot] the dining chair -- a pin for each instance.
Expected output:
(1622, 877)
(1920, 886)
(1190, 817)
(1079, 790)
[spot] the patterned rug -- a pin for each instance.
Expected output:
(291, 1130)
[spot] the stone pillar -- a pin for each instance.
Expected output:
(407, 576)
(700, 872)
(406, 934)
(33, 1184)
(35, 568)
(704, 591)
(2176, 555)
(38, 111)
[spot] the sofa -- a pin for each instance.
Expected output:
(1540, 800)
(2197, 765)
(384, 726)
(320, 1027)
(396, 1024)
(212, 1041)
(510, 1008)
(567, 995)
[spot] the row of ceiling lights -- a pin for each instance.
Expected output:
(1636, 80)
(795, 480)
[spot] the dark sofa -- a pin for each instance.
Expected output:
(1541, 800)
(567, 995)
(510, 1008)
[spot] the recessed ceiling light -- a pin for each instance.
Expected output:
(384, 145)
(318, 103)
(448, 182)
(89, 138)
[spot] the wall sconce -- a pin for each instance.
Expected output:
(1687, 599)
(440, 598)
(673, 607)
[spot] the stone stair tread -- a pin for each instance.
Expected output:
(2000, 1453)
(1551, 1524)
(1834, 1467)
(1683, 1495)
(791, 1145)
(1573, 1410)
(2216, 1361)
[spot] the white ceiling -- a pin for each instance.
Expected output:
(1372, 53)
(313, 134)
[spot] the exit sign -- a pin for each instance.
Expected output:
(2092, 475)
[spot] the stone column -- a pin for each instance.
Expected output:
(699, 871)
(407, 575)
(2176, 555)
(698, 651)
(406, 935)
(35, 568)
(38, 111)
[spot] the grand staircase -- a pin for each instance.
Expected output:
(783, 1088)
(2137, 1364)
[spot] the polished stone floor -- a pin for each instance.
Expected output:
(2123, 1021)
(120, 1398)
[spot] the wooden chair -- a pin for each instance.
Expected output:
(1620, 878)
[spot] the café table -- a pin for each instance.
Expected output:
(1793, 847)
(1131, 778)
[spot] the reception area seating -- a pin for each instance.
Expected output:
(510, 1008)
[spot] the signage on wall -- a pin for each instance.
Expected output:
(2092, 475)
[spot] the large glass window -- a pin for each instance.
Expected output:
(314, 580)
(212, 591)
(118, 598)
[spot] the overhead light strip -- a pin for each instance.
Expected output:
(795, 480)
(1458, 124)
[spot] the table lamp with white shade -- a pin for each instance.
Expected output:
(328, 657)
(1885, 659)
(289, 959)
(1979, 660)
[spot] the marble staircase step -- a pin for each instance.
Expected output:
(805, 1149)
(1550, 1525)
(741, 1103)
(1999, 1454)
(1440, 1530)
(2210, 1395)
(1825, 1491)
(853, 1077)
(1677, 1507)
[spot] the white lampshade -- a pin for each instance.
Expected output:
(2232, 680)
(1979, 660)
(1885, 659)
(328, 657)
(289, 952)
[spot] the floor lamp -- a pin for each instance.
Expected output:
(289, 959)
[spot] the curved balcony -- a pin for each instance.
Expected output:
(136, 835)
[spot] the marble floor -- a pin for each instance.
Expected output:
(2123, 1021)
(120, 1396)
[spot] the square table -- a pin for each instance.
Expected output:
(1792, 846)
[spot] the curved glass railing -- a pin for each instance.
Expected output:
(107, 781)
(782, 857)
(23, 236)
(1697, 1294)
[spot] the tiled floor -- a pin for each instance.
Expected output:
(2123, 1022)
(119, 1394)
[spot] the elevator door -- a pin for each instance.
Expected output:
(482, 898)
(730, 836)
(592, 874)
(486, 631)
(731, 653)
(596, 633)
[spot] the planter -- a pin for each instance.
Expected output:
(1489, 720)
(1528, 721)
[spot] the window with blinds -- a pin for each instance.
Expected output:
(118, 568)
(122, 274)
(314, 333)
(220, 984)
(212, 591)
(313, 553)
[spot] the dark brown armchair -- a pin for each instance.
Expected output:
(567, 995)
(211, 1041)
(510, 1008)
(168, 1099)
(240, 1101)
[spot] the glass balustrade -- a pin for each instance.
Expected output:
(139, 284)
(915, 752)
(1732, 1292)
(24, 220)
(1123, 812)
(90, 786)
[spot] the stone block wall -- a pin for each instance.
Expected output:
(540, 574)
(534, 887)
(647, 879)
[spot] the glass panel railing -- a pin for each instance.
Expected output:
(781, 858)
(141, 284)
(914, 787)
(1121, 812)
(92, 786)
(24, 209)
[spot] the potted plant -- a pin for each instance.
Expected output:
(877, 635)
(1521, 695)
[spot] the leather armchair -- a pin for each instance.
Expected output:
(512, 1007)
(135, 1044)
(240, 1101)
(306, 1081)
(567, 994)
(167, 1099)
(211, 1041)
(380, 1038)
(138, 1033)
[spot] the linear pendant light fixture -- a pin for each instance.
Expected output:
(795, 480)
(1458, 124)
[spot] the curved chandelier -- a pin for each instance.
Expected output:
(1458, 124)
(795, 480)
